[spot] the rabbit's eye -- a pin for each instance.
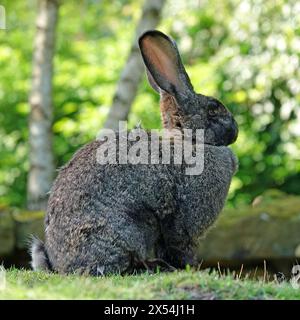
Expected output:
(213, 110)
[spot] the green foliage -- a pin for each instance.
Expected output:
(247, 55)
(15, 57)
(245, 52)
(259, 79)
(187, 284)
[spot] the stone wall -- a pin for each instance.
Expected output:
(16, 228)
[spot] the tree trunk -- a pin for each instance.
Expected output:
(41, 114)
(133, 70)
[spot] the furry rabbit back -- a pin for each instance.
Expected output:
(108, 218)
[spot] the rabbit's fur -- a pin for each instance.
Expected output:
(105, 219)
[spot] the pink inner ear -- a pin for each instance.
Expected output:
(161, 55)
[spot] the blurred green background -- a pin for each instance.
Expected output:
(244, 52)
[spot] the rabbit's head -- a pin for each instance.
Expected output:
(181, 107)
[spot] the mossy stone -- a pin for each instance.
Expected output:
(269, 229)
(28, 223)
(7, 237)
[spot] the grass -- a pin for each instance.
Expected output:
(189, 284)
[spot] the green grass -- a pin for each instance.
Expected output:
(187, 284)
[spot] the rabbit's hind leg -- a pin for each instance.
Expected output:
(109, 247)
(112, 251)
(102, 257)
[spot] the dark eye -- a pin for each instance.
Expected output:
(213, 109)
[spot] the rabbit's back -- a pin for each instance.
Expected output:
(99, 213)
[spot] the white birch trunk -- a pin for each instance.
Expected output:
(134, 68)
(41, 113)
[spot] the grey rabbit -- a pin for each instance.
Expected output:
(105, 219)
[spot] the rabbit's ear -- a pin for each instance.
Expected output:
(164, 66)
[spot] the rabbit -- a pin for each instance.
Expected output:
(107, 219)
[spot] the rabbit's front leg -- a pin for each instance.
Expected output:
(175, 246)
(180, 256)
